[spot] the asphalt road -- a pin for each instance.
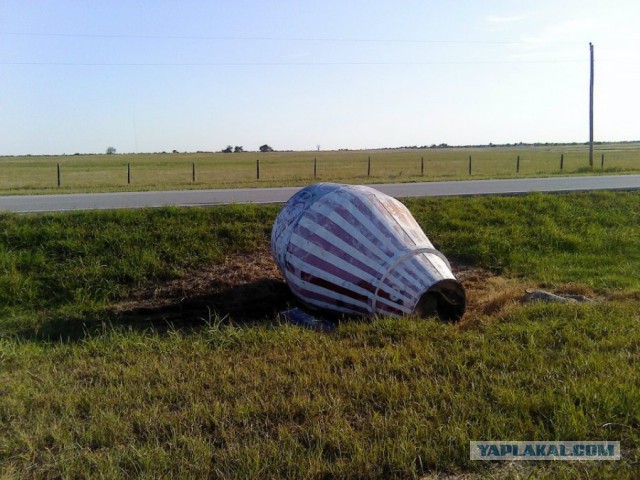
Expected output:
(90, 201)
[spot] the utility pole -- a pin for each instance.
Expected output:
(591, 108)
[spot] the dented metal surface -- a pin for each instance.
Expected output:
(354, 250)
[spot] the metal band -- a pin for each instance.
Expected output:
(399, 258)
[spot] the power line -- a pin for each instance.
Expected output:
(274, 39)
(284, 64)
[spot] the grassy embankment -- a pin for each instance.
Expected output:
(102, 173)
(263, 399)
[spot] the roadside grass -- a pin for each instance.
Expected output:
(589, 239)
(382, 399)
(386, 398)
(104, 173)
(67, 267)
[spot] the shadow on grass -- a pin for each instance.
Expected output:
(249, 303)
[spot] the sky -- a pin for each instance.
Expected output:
(150, 76)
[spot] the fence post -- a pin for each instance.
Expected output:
(518, 165)
(258, 169)
(128, 173)
(193, 172)
(369, 167)
(58, 173)
(561, 161)
(422, 166)
(602, 161)
(315, 167)
(469, 164)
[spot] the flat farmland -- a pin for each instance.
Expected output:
(175, 171)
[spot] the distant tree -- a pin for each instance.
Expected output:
(229, 149)
(238, 149)
(111, 150)
(266, 148)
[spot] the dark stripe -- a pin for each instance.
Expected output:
(327, 246)
(309, 295)
(390, 310)
(323, 265)
(321, 219)
(321, 282)
(424, 265)
(373, 237)
(384, 228)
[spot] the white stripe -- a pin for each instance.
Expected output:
(329, 306)
(440, 266)
(329, 293)
(324, 275)
(341, 244)
(391, 280)
(306, 245)
(323, 291)
(405, 232)
(413, 275)
(418, 285)
(385, 256)
(329, 212)
(380, 265)
(429, 275)
(373, 229)
(310, 247)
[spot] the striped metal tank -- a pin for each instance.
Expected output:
(354, 250)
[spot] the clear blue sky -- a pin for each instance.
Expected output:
(145, 76)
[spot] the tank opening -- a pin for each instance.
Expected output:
(446, 299)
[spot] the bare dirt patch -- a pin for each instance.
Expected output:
(251, 288)
(241, 288)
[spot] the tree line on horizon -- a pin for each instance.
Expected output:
(266, 148)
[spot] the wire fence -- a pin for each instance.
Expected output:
(203, 170)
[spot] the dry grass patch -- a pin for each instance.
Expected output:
(250, 287)
(240, 288)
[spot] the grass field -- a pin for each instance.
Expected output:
(93, 173)
(146, 344)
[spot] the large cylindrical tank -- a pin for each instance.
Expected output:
(354, 250)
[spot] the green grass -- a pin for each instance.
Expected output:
(592, 239)
(61, 268)
(376, 399)
(103, 173)
(386, 399)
